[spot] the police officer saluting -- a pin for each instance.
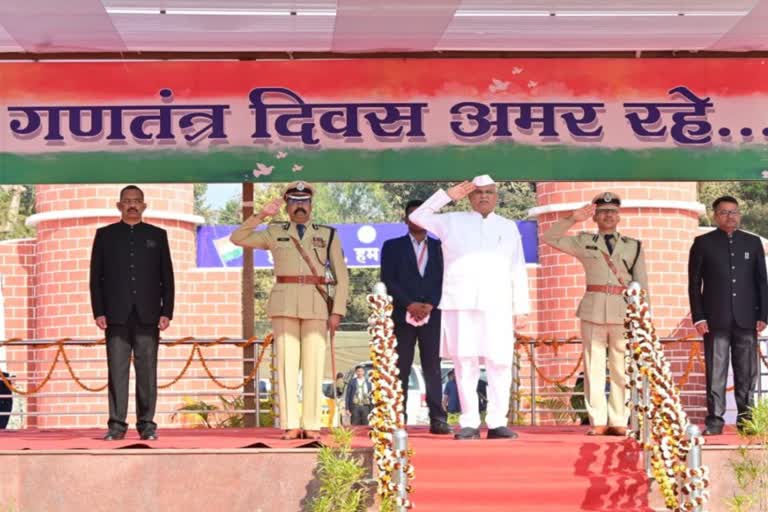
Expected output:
(611, 262)
(308, 260)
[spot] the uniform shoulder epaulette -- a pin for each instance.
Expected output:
(628, 239)
(318, 226)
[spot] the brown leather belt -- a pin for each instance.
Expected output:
(610, 289)
(313, 280)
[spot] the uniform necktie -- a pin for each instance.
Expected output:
(301, 228)
(609, 243)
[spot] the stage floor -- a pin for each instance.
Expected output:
(233, 438)
(169, 439)
(547, 469)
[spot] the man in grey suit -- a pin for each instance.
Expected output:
(728, 292)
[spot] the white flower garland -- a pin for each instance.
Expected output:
(387, 414)
(668, 443)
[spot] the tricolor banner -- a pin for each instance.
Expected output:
(384, 120)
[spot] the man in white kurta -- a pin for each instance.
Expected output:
(485, 296)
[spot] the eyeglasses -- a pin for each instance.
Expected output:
(732, 213)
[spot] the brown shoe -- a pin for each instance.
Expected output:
(617, 431)
(597, 431)
(312, 434)
(289, 435)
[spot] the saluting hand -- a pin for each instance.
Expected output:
(584, 213)
(271, 208)
(461, 190)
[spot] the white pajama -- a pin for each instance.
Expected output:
(487, 331)
(499, 382)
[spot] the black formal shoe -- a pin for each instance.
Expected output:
(713, 431)
(440, 428)
(467, 433)
(149, 435)
(114, 435)
(501, 433)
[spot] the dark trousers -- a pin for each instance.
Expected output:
(428, 338)
(359, 414)
(142, 340)
(740, 345)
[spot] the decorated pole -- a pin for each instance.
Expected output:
(667, 434)
(390, 441)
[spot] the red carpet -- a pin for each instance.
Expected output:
(552, 469)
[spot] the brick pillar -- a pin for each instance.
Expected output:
(664, 216)
(17, 270)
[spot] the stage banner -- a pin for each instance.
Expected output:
(384, 120)
(361, 244)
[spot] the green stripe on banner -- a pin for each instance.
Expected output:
(448, 163)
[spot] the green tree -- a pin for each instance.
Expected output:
(752, 197)
(201, 207)
(361, 281)
(17, 202)
(231, 212)
(343, 203)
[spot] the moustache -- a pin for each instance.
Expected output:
(132, 210)
(299, 210)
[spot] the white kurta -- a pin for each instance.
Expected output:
(484, 271)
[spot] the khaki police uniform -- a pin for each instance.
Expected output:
(602, 311)
(298, 311)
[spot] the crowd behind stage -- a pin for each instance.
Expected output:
(458, 297)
